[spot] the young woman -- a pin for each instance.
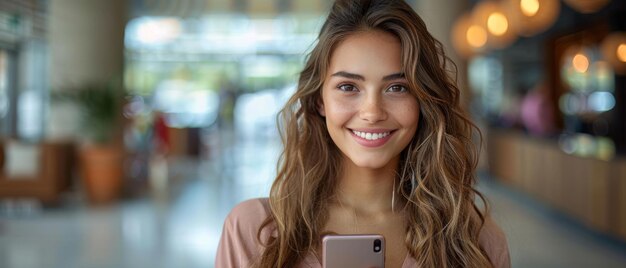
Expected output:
(375, 143)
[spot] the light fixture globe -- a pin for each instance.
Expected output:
(496, 19)
(586, 6)
(613, 49)
(530, 17)
(468, 37)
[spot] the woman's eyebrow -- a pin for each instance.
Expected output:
(348, 75)
(393, 77)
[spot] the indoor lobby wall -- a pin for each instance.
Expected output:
(86, 40)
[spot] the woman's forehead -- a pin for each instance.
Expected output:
(370, 54)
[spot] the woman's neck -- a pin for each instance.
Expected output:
(366, 190)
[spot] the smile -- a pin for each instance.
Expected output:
(371, 136)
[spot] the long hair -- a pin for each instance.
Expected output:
(436, 171)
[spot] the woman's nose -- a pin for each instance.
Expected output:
(372, 109)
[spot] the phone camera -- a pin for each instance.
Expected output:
(377, 245)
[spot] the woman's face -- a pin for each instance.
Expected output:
(370, 113)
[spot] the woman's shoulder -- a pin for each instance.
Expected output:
(239, 244)
(249, 214)
(493, 241)
(250, 209)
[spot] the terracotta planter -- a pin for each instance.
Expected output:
(102, 172)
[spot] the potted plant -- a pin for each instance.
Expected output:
(100, 155)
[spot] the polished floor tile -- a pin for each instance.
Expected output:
(181, 227)
(539, 237)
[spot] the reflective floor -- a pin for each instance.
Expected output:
(180, 227)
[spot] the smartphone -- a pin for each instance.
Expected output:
(355, 251)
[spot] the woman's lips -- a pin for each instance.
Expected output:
(371, 137)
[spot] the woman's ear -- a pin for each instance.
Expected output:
(320, 107)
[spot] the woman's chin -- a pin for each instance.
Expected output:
(370, 163)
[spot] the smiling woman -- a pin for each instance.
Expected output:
(375, 143)
(370, 114)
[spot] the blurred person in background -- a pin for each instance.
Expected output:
(161, 135)
(536, 111)
(158, 169)
(375, 143)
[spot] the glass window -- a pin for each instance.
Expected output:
(6, 115)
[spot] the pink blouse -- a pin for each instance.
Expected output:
(239, 247)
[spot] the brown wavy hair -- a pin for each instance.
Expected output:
(437, 169)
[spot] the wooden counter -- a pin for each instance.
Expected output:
(589, 190)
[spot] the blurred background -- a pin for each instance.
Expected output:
(129, 129)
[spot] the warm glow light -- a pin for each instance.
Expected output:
(587, 6)
(476, 36)
(621, 52)
(495, 19)
(614, 51)
(530, 17)
(580, 63)
(497, 23)
(529, 7)
(461, 36)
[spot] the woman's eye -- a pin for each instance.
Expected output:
(347, 88)
(397, 88)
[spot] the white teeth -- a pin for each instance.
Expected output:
(370, 136)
